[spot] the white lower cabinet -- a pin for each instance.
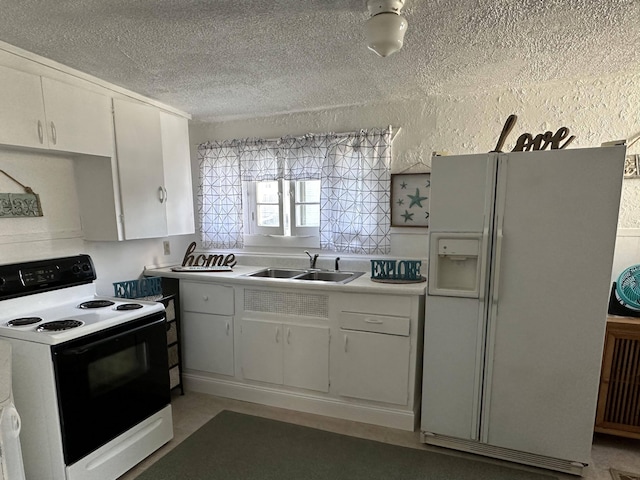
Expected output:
(210, 341)
(207, 327)
(285, 354)
(373, 366)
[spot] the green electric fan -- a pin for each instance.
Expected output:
(627, 289)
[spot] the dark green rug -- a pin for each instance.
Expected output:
(233, 446)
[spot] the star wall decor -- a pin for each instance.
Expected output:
(410, 199)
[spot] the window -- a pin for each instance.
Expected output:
(327, 191)
(283, 207)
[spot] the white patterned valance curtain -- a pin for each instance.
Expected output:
(354, 175)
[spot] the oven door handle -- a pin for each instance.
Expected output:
(90, 346)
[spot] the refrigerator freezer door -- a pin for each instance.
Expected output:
(556, 216)
(461, 205)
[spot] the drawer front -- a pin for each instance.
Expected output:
(207, 298)
(392, 305)
(367, 322)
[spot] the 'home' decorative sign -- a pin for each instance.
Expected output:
(213, 260)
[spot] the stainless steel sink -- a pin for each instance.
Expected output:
(323, 276)
(277, 273)
(306, 275)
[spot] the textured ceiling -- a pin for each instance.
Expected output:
(219, 59)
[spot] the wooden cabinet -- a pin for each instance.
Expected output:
(173, 341)
(38, 112)
(374, 357)
(285, 354)
(618, 411)
(154, 171)
(207, 324)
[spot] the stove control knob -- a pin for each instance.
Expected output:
(75, 269)
(2, 282)
(86, 267)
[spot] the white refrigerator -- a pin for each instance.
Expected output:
(521, 250)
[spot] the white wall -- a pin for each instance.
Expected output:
(595, 111)
(59, 231)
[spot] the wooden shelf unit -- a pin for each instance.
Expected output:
(618, 411)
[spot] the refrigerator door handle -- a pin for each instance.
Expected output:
(496, 278)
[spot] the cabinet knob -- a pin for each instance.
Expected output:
(205, 298)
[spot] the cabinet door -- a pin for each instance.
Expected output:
(306, 357)
(78, 120)
(261, 348)
(139, 152)
(209, 342)
(22, 121)
(177, 174)
(373, 366)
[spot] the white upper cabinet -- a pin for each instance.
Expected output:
(39, 112)
(22, 121)
(141, 174)
(176, 158)
(154, 169)
(78, 120)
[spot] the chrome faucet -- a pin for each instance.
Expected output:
(337, 264)
(312, 259)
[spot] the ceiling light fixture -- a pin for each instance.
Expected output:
(386, 28)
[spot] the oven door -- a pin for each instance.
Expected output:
(110, 381)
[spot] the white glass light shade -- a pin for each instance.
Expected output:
(385, 33)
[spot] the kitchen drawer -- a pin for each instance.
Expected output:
(367, 322)
(206, 298)
(393, 305)
(172, 333)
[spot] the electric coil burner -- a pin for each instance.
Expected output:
(23, 322)
(129, 306)
(59, 325)
(92, 384)
(96, 304)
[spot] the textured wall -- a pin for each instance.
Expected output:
(595, 111)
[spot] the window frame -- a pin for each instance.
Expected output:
(287, 233)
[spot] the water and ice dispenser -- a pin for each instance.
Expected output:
(455, 264)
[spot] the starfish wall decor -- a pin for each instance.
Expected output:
(410, 199)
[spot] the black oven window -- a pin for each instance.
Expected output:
(117, 369)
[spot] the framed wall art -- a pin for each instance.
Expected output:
(410, 199)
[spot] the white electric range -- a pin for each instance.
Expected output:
(91, 377)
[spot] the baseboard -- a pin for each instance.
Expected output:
(308, 403)
(525, 458)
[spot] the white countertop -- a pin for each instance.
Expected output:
(362, 284)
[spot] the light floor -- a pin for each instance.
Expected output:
(193, 410)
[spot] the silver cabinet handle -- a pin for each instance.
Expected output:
(40, 132)
(166, 195)
(228, 326)
(54, 133)
(346, 342)
(161, 196)
(277, 334)
(289, 335)
(371, 320)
